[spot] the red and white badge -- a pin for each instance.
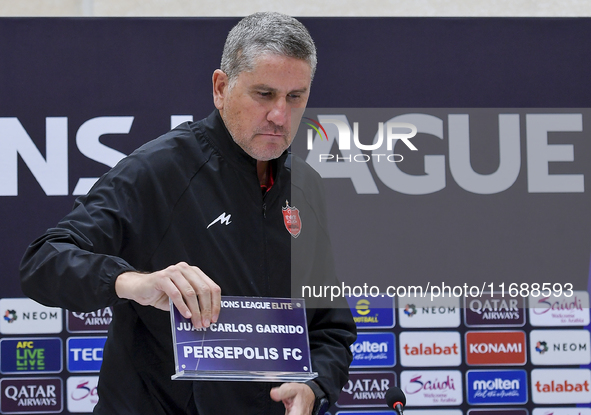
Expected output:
(291, 218)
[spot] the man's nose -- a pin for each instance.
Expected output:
(279, 112)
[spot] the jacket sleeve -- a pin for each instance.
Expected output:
(111, 230)
(75, 264)
(331, 333)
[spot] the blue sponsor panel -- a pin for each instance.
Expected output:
(496, 387)
(31, 355)
(374, 350)
(372, 312)
(85, 354)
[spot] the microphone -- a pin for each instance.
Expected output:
(396, 399)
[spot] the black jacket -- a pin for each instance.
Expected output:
(152, 210)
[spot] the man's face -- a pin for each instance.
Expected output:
(263, 108)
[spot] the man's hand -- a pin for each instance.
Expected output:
(298, 398)
(193, 293)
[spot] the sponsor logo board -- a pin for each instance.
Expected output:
(31, 395)
(432, 387)
(417, 312)
(556, 386)
(366, 389)
(95, 322)
(495, 348)
(25, 316)
(494, 310)
(562, 411)
(372, 312)
(82, 393)
(498, 412)
(560, 311)
(85, 354)
(560, 347)
(496, 387)
(374, 350)
(430, 348)
(30, 355)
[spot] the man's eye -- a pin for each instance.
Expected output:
(294, 96)
(264, 94)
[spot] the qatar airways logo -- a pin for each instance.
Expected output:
(432, 387)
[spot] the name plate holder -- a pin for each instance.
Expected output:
(255, 339)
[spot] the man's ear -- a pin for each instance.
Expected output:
(220, 87)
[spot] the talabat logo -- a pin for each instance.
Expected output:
(95, 322)
(432, 387)
(391, 131)
(372, 312)
(562, 411)
(31, 395)
(25, 316)
(366, 389)
(560, 310)
(494, 310)
(422, 312)
(496, 387)
(31, 355)
(85, 354)
(430, 348)
(495, 348)
(82, 393)
(373, 350)
(560, 347)
(556, 386)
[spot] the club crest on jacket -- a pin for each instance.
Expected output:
(292, 220)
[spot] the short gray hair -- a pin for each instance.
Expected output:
(266, 32)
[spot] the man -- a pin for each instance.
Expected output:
(196, 213)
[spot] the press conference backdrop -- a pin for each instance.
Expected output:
(495, 194)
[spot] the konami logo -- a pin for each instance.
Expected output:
(441, 348)
(495, 348)
(552, 386)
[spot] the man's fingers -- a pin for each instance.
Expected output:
(283, 392)
(202, 295)
(172, 291)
